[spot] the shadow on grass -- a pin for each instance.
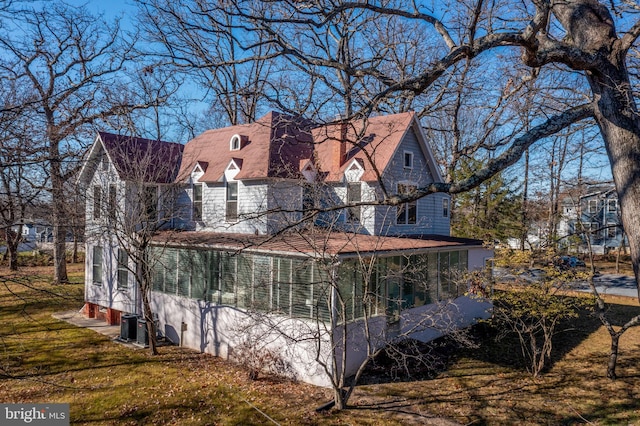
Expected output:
(424, 361)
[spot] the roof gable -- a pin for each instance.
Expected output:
(139, 159)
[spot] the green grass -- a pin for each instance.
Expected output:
(46, 360)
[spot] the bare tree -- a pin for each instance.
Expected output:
(72, 61)
(576, 37)
(201, 42)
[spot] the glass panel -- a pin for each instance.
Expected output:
(345, 291)
(353, 196)
(232, 201)
(227, 279)
(97, 201)
(213, 288)
(151, 203)
(123, 269)
(97, 265)
(199, 274)
(197, 202)
(284, 286)
(321, 293)
(112, 202)
(432, 274)
(412, 212)
(394, 281)
(157, 269)
(244, 280)
(171, 269)
(301, 302)
(445, 277)
(184, 271)
(262, 282)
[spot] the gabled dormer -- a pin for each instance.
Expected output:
(308, 170)
(233, 168)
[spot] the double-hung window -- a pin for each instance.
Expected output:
(96, 264)
(123, 269)
(197, 202)
(151, 203)
(407, 213)
(97, 201)
(354, 196)
(112, 202)
(232, 202)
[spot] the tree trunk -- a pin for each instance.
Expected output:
(613, 356)
(620, 129)
(59, 216)
(13, 240)
(590, 28)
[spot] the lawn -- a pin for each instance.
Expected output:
(46, 360)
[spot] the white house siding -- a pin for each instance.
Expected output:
(222, 331)
(284, 205)
(107, 294)
(430, 219)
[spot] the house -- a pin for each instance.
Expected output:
(271, 237)
(594, 219)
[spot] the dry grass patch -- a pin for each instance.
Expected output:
(46, 360)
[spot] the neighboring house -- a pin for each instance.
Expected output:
(36, 231)
(594, 219)
(275, 228)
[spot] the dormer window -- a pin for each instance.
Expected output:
(236, 143)
(408, 160)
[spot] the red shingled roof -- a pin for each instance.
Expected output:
(145, 160)
(317, 243)
(272, 147)
(276, 145)
(372, 142)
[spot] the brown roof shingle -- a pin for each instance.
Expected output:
(319, 243)
(144, 160)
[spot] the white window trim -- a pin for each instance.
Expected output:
(235, 143)
(404, 158)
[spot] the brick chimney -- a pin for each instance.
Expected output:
(339, 151)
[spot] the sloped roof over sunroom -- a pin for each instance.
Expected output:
(315, 244)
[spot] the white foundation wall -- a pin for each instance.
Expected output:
(226, 332)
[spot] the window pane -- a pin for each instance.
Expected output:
(112, 202)
(412, 212)
(197, 202)
(151, 203)
(244, 280)
(171, 267)
(123, 268)
(227, 279)
(284, 286)
(354, 192)
(158, 268)
(184, 271)
(232, 201)
(262, 283)
(97, 265)
(199, 274)
(97, 201)
(301, 302)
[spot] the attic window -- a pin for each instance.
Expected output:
(353, 167)
(408, 160)
(236, 143)
(232, 166)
